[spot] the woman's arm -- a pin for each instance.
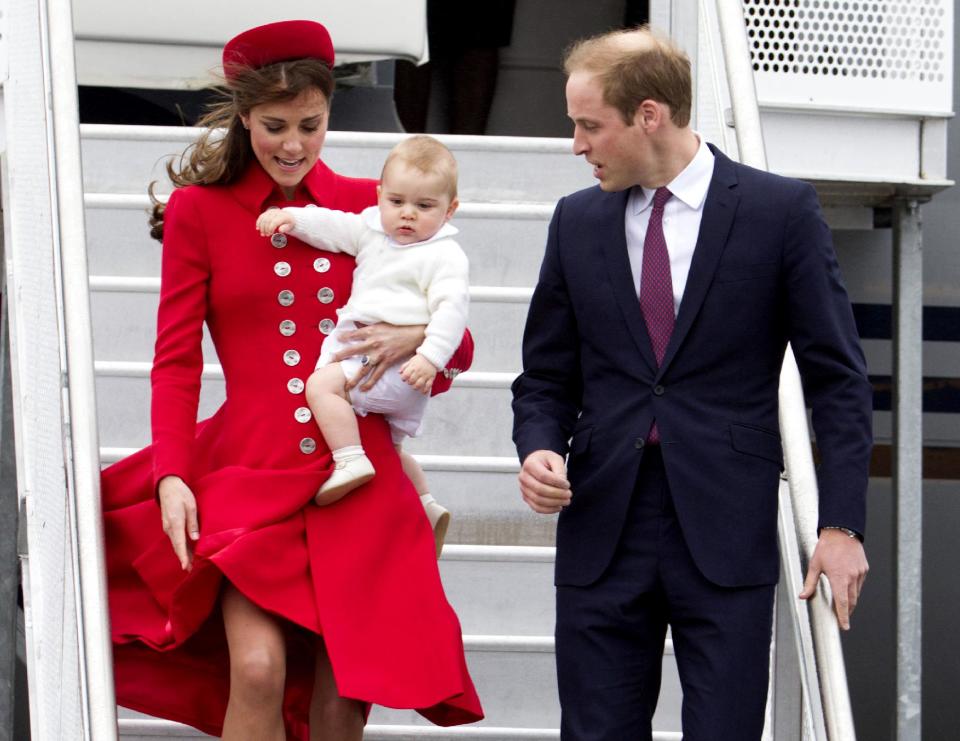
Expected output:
(385, 344)
(178, 362)
(178, 359)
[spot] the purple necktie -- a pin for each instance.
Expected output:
(656, 287)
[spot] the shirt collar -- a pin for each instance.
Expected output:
(689, 187)
(371, 219)
(256, 188)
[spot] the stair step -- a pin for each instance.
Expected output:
(124, 328)
(148, 730)
(504, 241)
(123, 159)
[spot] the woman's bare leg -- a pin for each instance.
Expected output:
(332, 718)
(257, 671)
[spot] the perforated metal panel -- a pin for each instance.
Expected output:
(875, 54)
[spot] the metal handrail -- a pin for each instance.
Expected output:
(798, 457)
(86, 523)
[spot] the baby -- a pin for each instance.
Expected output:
(409, 271)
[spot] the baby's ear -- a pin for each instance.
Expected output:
(454, 205)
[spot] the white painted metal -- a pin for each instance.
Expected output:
(895, 55)
(160, 50)
(30, 235)
(908, 462)
(123, 284)
(83, 470)
(145, 730)
(811, 720)
(473, 463)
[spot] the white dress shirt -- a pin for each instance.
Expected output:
(681, 220)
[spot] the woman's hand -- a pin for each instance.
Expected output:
(178, 508)
(382, 345)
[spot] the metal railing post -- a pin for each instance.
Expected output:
(9, 519)
(908, 460)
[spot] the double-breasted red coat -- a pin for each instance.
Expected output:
(361, 573)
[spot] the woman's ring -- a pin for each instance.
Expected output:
(367, 360)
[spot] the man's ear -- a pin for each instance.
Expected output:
(649, 115)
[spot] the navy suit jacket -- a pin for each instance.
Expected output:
(763, 273)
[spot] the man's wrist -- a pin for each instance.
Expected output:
(850, 533)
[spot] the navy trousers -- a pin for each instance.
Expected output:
(610, 635)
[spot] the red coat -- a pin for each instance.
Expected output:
(361, 572)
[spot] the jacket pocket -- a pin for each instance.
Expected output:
(757, 441)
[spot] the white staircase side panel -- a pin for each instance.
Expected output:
(895, 55)
(50, 600)
(835, 146)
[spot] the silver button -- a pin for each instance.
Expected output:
(321, 265)
(295, 385)
(327, 326)
(282, 269)
(325, 295)
(287, 327)
(285, 298)
(278, 240)
(291, 357)
(308, 445)
(302, 414)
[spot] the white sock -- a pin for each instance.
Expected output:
(426, 499)
(348, 453)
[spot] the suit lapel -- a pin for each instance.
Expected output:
(614, 247)
(718, 213)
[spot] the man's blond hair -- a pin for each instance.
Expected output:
(636, 65)
(429, 156)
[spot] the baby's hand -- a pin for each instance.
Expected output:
(419, 373)
(274, 220)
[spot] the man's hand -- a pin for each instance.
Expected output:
(843, 561)
(419, 373)
(274, 220)
(543, 482)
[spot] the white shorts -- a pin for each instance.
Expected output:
(401, 404)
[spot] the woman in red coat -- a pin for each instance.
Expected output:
(238, 606)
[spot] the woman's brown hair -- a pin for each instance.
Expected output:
(222, 152)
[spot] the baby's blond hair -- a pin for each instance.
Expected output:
(429, 156)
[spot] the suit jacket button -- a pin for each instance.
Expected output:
(658, 390)
(639, 443)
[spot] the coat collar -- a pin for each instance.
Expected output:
(255, 189)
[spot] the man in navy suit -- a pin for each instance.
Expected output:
(652, 356)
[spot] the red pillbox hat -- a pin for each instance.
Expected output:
(277, 42)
